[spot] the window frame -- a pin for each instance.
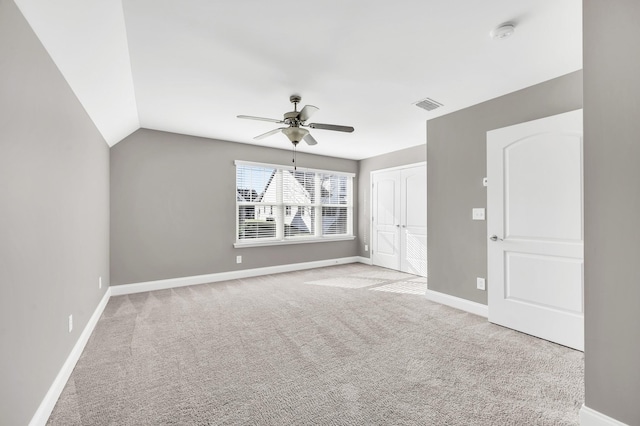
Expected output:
(280, 207)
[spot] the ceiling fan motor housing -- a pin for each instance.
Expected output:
(291, 118)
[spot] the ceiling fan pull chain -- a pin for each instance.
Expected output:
(294, 157)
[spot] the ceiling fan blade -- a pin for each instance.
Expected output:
(250, 117)
(335, 127)
(307, 112)
(310, 140)
(269, 133)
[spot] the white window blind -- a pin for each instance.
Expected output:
(276, 203)
(334, 198)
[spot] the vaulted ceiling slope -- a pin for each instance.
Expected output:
(192, 66)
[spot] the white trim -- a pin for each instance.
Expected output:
(301, 169)
(458, 303)
(365, 260)
(224, 276)
(591, 417)
(301, 240)
(406, 166)
(43, 412)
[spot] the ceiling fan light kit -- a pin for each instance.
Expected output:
(295, 134)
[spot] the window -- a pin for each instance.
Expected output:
(277, 204)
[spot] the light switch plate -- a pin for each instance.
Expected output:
(480, 284)
(478, 214)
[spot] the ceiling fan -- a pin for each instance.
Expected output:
(296, 121)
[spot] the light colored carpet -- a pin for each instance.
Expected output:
(273, 350)
(417, 286)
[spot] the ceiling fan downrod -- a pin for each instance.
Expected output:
(295, 100)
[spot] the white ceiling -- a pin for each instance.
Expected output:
(191, 66)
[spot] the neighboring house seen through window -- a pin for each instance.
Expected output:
(277, 204)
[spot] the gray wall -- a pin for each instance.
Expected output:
(402, 157)
(612, 203)
(54, 223)
(456, 155)
(173, 208)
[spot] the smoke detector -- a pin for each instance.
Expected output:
(503, 31)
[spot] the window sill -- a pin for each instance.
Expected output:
(293, 241)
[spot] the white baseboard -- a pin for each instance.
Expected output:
(458, 303)
(591, 417)
(119, 290)
(46, 406)
(365, 260)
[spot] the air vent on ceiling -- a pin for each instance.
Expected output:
(428, 104)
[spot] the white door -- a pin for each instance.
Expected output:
(535, 228)
(399, 219)
(386, 219)
(413, 223)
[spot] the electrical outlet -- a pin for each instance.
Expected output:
(99, 282)
(480, 284)
(478, 214)
(238, 259)
(70, 323)
(366, 247)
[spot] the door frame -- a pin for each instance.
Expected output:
(370, 190)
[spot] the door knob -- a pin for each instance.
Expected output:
(495, 238)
